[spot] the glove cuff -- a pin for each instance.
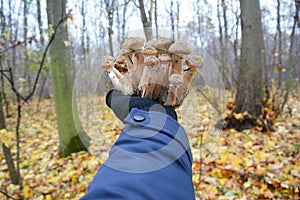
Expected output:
(122, 104)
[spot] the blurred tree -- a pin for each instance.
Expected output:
(122, 17)
(13, 173)
(71, 138)
(249, 87)
(279, 51)
(26, 75)
(110, 10)
(146, 20)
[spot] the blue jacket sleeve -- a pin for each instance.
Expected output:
(151, 159)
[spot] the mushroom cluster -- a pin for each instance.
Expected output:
(161, 70)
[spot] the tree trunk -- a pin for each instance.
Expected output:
(291, 62)
(178, 18)
(27, 83)
(122, 19)
(249, 88)
(199, 22)
(155, 19)
(222, 41)
(13, 173)
(72, 138)
(236, 48)
(279, 44)
(172, 19)
(147, 21)
(110, 9)
(39, 18)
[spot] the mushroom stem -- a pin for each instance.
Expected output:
(136, 74)
(176, 65)
(115, 81)
(162, 76)
(194, 63)
(171, 98)
(148, 79)
(175, 80)
(183, 89)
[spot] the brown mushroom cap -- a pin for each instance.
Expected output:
(176, 79)
(120, 59)
(150, 43)
(180, 48)
(149, 51)
(151, 60)
(126, 51)
(107, 62)
(194, 62)
(163, 43)
(120, 64)
(134, 43)
(164, 58)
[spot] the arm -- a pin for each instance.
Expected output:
(151, 159)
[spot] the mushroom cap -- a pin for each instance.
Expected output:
(120, 59)
(164, 58)
(107, 62)
(126, 51)
(180, 48)
(149, 51)
(194, 62)
(150, 43)
(134, 43)
(151, 60)
(176, 79)
(163, 43)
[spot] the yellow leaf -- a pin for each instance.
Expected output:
(48, 197)
(108, 115)
(222, 181)
(236, 163)
(74, 178)
(271, 144)
(223, 156)
(264, 186)
(6, 137)
(28, 192)
(5, 35)
(66, 43)
(238, 116)
(247, 184)
(70, 16)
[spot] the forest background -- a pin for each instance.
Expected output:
(45, 44)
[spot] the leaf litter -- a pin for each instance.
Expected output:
(244, 164)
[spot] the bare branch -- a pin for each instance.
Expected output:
(18, 43)
(45, 54)
(7, 195)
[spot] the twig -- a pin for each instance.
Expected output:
(18, 142)
(7, 195)
(210, 102)
(17, 44)
(201, 156)
(3, 91)
(44, 56)
(10, 79)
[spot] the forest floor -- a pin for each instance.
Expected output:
(227, 164)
